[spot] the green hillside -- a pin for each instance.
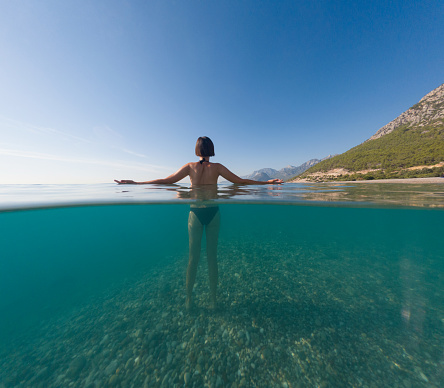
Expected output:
(407, 146)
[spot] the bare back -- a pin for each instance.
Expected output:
(205, 173)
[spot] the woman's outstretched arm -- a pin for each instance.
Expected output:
(173, 178)
(233, 178)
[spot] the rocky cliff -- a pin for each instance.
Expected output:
(428, 110)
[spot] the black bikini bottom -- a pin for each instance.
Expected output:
(205, 214)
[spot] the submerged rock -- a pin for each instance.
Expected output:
(76, 366)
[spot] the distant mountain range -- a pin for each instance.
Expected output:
(412, 145)
(285, 173)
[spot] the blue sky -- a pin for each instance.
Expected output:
(97, 90)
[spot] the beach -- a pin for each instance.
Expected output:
(420, 181)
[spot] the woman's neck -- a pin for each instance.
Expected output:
(204, 158)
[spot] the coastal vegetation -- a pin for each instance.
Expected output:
(394, 155)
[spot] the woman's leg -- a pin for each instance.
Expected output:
(212, 235)
(195, 231)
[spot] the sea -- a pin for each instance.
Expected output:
(319, 285)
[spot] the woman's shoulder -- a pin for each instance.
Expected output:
(216, 166)
(219, 165)
(207, 163)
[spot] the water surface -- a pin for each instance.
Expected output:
(319, 285)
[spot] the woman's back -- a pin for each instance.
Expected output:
(204, 173)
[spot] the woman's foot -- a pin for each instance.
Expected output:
(189, 304)
(213, 304)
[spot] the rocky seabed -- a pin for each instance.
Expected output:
(287, 318)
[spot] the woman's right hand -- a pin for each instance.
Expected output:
(125, 182)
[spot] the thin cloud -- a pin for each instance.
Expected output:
(103, 132)
(107, 136)
(19, 125)
(58, 158)
(132, 153)
(104, 135)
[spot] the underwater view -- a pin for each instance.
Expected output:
(321, 285)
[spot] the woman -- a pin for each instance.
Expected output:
(203, 216)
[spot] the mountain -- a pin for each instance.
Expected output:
(285, 173)
(429, 110)
(412, 145)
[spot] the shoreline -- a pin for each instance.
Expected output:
(433, 180)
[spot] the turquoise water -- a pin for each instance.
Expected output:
(319, 286)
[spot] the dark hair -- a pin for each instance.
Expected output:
(204, 146)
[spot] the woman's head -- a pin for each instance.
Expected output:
(204, 146)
